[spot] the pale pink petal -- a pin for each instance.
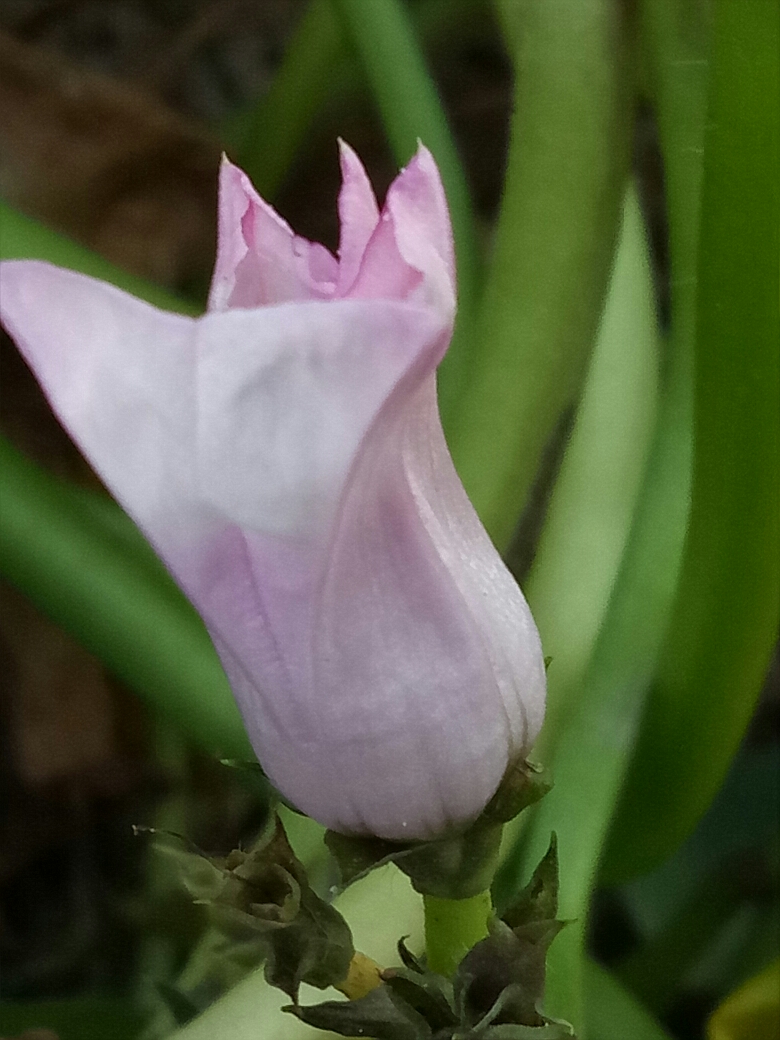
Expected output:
(426, 637)
(384, 274)
(230, 440)
(255, 414)
(358, 213)
(120, 375)
(284, 397)
(288, 395)
(410, 255)
(288, 463)
(260, 260)
(418, 207)
(491, 595)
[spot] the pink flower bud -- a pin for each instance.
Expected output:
(284, 455)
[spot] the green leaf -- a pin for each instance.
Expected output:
(726, 615)
(654, 971)
(611, 1011)
(594, 499)
(182, 1008)
(267, 137)
(685, 909)
(753, 1011)
(556, 234)
(84, 564)
(592, 751)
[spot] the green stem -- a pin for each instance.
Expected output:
(452, 927)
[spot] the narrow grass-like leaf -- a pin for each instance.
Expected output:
(266, 137)
(556, 234)
(593, 502)
(653, 971)
(726, 616)
(591, 755)
(85, 565)
(675, 41)
(318, 66)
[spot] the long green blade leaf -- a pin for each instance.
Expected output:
(267, 137)
(612, 1012)
(556, 234)
(592, 505)
(591, 755)
(726, 616)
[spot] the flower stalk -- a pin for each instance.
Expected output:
(453, 927)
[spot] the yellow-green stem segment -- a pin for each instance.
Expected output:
(452, 927)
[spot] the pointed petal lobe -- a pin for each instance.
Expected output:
(411, 255)
(260, 261)
(358, 213)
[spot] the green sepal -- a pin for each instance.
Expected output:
(408, 959)
(381, 1014)
(503, 976)
(524, 784)
(500, 982)
(261, 902)
(429, 994)
(457, 866)
(538, 901)
(495, 994)
(254, 768)
(355, 857)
